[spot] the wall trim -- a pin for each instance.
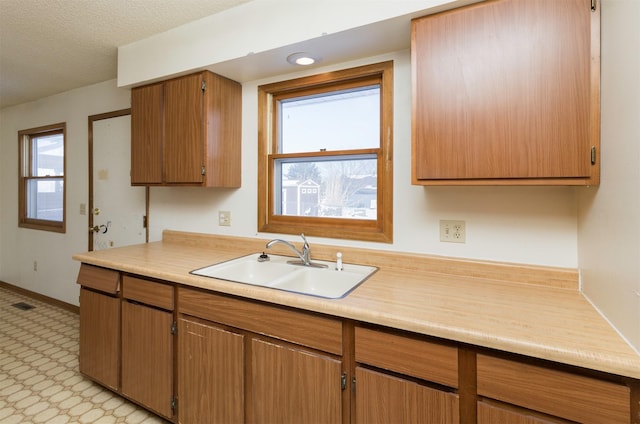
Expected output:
(42, 298)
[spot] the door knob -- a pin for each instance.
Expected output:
(99, 228)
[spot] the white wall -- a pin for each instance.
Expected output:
(257, 27)
(535, 225)
(596, 229)
(20, 247)
(609, 216)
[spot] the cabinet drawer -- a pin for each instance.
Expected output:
(383, 399)
(499, 413)
(101, 279)
(148, 292)
(305, 329)
(417, 358)
(560, 393)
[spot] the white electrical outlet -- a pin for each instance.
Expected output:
(453, 231)
(224, 218)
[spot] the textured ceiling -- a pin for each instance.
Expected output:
(52, 46)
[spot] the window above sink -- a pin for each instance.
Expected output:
(325, 147)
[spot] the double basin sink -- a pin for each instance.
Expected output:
(274, 271)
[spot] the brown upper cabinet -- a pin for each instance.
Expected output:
(507, 92)
(187, 131)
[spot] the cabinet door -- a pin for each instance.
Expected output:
(490, 414)
(294, 386)
(382, 398)
(146, 134)
(506, 89)
(147, 357)
(555, 392)
(184, 145)
(210, 374)
(99, 337)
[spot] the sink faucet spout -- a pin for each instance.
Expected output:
(304, 255)
(304, 258)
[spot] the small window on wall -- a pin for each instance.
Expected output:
(41, 190)
(325, 149)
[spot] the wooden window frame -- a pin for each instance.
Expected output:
(378, 230)
(26, 174)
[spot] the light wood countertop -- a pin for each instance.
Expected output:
(528, 310)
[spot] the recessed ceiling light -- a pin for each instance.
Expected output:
(301, 58)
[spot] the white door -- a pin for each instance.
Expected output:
(118, 208)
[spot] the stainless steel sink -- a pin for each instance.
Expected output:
(276, 273)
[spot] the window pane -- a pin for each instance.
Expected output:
(47, 155)
(339, 120)
(338, 188)
(45, 199)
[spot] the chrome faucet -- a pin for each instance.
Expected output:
(304, 255)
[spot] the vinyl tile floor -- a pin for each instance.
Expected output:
(39, 377)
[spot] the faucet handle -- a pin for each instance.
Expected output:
(306, 243)
(306, 251)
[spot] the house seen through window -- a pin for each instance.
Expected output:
(42, 178)
(325, 154)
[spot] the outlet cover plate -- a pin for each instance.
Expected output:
(453, 231)
(224, 218)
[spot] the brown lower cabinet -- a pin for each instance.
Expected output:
(556, 392)
(147, 344)
(414, 380)
(99, 356)
(383, 398)
(288, 385)
(491, 414)
(126, 340)
(292, 385)
(147, 357)
(210, 373)
(272, 364)
(238, 360)
(99, 346)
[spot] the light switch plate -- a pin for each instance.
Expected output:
(224, 218)
(453, 231)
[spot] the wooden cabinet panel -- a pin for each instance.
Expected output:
(210, 374)
(147, 357)
(146, 134)
(148, 292)
(223, 114)
(99, 350)
(491, 414)
(418, 358)
(101, 279)
(382, 398)
(301, 328)
(570, 396)
(256, 362)
(183, 156)
(187, 131)
(294, 386)
(509, 90)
